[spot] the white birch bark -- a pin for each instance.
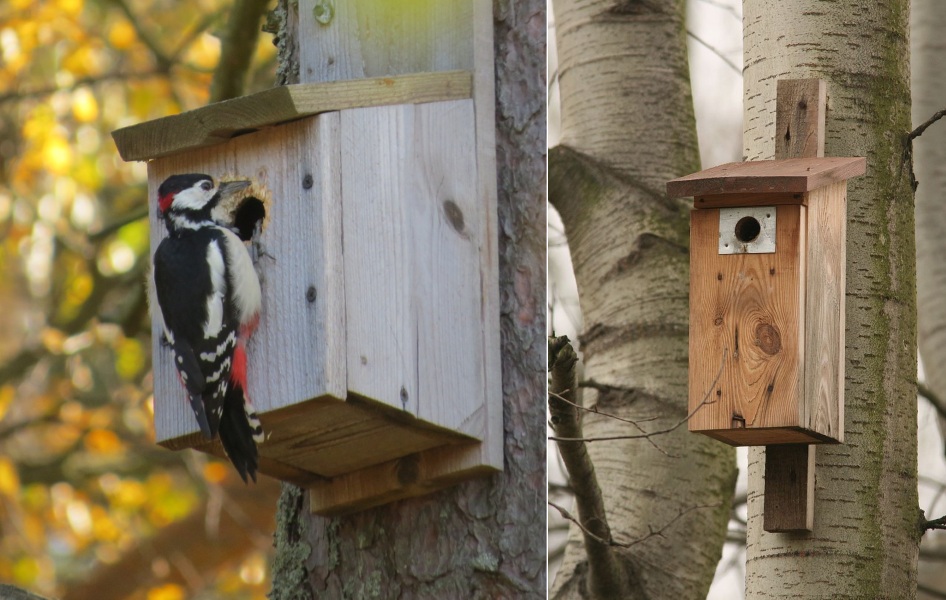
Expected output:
(627, 128)
(928, 51)
(865, 537)
(927, 57)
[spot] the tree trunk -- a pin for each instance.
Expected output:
(628, 128)
(484, 538)
(928, 53)
(927, 56)
(865, 538)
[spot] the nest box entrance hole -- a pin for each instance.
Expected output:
(747, 229)
(247, 212)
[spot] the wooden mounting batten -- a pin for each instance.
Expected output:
(789, 497)
(222, 121)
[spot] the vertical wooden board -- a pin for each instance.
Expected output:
(484, 104)
(746, 313)
(413, 243)
(789, 488)
(298, 351)
(824, 325)
(376, 188)
(375, 38)
(800, 118)
(448, 242)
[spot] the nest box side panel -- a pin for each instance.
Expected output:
(414, 247)
(298, 350)
(824, 311)
(375, 38)
(746, 323)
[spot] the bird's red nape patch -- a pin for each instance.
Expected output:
(164, 202)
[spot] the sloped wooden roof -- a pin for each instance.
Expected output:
(792, 175)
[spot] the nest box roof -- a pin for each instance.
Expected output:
(791, 175)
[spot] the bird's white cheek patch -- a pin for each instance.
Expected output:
(218, 285)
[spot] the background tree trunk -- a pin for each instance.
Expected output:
(627, 128)
(866, 534)
(484, 538)
(927, 57)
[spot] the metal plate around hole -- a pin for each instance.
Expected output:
(764, 243)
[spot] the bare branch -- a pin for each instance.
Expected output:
(608, 576)
(715, 51)
(932, 397)
(651, 532)
(706, 400)
(78, 83)
(237, 49)
(919, 130)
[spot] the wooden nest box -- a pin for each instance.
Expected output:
(767, 273)
(375, 367)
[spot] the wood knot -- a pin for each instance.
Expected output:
(768, 339)
(454, 215)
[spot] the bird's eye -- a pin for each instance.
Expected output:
(206, 186)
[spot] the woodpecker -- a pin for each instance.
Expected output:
(209, 299)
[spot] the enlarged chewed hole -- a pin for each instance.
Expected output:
(747, 229)
(247, 215)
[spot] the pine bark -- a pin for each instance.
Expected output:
(627, 128)
(865, 538)
(484, 538)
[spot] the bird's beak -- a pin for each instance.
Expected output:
(231, 188)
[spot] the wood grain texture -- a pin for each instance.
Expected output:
(824, 311)
(746, 314)
(732, 200)
(484, 114)
(800, 113)
(413, 475)
(791, 175)
(297, 374)
(217, 123)
(380, 38)
(414, 271)
(799, 118)
(297, 352)
(789, 488)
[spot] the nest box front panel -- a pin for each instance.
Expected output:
(297, 358)
(417, 262)
(746, 330)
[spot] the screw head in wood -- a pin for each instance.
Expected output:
(311, 294)
(307, 182)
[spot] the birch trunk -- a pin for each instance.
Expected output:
(483, 538)
(865, 538)
(927, 56)
(627, 128)
(928, 52)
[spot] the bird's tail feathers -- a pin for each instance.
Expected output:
(240, 429)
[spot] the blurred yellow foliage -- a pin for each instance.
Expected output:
(103, 441)
(81, 480)
(168, 591)
(9, 478)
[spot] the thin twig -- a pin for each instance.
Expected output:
(706, 400)
(636, 423)
(612, 542)
(722, 56)
(919, 130)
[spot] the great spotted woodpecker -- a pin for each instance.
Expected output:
(209, 298)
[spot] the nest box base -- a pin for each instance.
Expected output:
(331, 446)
